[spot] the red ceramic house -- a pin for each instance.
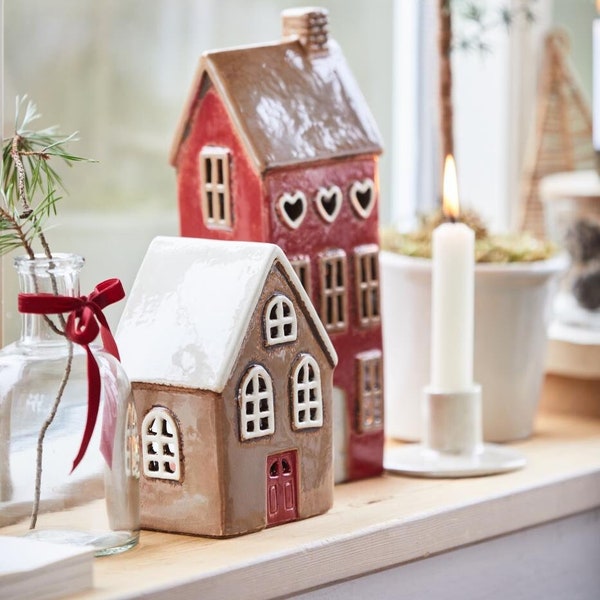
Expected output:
(277, 144)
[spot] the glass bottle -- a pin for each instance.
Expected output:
(97, 504)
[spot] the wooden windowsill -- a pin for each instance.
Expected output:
(374, 524)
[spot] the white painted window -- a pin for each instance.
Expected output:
(160, 445)
(214, 187)
(257, 415)
(370, 390)
(366, 273)
(307, 395)
(280, 321)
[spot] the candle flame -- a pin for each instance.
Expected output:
(450, 204)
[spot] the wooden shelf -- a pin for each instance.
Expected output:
(374, 524)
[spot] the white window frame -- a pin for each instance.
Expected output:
(214, 188)
(302, 268)
(334, 282)
(366, 273)
(256, 405)
(283, 326)
(161, 446)
(307, 394)
(370, 390)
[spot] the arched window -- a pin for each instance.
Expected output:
(280, 321)
(307, 395)
(257, 417)
(160, 445)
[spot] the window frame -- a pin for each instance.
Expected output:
(334, 298)
(367, 285)
(211, 190)
(305, 406)
(303, 268)
(279, 302)
(254, 372)
(162, 415)
(369, 379)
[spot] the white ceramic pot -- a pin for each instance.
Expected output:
(512, 309)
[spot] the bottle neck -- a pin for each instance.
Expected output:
(58, 276)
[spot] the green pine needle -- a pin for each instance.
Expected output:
(31, 186)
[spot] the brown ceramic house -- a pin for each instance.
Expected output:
(232, 376)
(277, 144)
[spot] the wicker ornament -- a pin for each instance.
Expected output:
(562, 136)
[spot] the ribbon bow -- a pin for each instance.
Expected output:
(84, 322)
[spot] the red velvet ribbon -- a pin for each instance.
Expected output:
(84, 322)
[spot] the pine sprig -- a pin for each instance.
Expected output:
(481, 19)
(31, 185)
(29, 194)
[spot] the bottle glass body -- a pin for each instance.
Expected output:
(43, 410)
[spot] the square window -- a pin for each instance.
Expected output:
(301, 266)
(215, 187)
(333, 290)
(370, 391)
(366, 269)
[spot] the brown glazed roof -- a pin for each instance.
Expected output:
(289, 107)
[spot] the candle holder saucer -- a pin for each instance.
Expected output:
(453, 445)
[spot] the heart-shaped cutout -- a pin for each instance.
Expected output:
(292, 208)
(362, 196)
(329, 203)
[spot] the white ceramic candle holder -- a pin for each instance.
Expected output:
(453, 442)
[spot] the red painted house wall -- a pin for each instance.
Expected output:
(256, 218)
(314, 236)
(210, 125)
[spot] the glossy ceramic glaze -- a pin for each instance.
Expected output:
(302, 156)
(194, 326)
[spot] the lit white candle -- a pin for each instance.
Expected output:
(596, 79)
(453, 288)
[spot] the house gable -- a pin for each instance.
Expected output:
(190, 306)
(289, 107)
(244, 457)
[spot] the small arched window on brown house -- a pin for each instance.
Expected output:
(280, 321)
(307, 395)
(215, 190)
(161, 457)
(257, 415)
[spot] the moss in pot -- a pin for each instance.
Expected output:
(505, 248)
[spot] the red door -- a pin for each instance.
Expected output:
(281, 488)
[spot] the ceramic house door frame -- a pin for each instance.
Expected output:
(282, 487)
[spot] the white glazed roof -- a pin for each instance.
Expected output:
(190, 306)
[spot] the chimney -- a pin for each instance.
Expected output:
(309, 25)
